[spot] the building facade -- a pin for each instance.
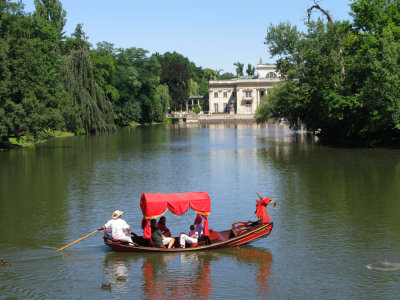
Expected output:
(242, 95)
(195, 101)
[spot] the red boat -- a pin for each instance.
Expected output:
(155, 205)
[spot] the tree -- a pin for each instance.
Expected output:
(193, 88)
(31, 89)
(329, 18)
(149, 75)
(49, 81)
(179, 86)
(176, 76)
(175, 72)
(283, 41)
(161, 104)
(361, 103)
(250, 70)
(89, 111)
(239, 69)
(126, 80)
(104, 69)
(137, 78)
(77, 40)
(227, 75)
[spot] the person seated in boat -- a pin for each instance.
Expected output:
(191, 238)
(119, 228)
(161, 225)
(198, 222)
(158, 238)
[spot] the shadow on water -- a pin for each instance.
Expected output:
(189, 275)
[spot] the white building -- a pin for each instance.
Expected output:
(242, 95)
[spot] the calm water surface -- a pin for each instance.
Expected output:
(338, 210)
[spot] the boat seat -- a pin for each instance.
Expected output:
(107, 235)
(117, 241)
(120, 241)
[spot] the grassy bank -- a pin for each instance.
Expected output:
(29, 141)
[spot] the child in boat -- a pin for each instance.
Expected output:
(190, 238)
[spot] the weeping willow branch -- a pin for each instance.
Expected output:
(93, 111)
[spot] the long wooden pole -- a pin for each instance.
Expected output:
(78, 240)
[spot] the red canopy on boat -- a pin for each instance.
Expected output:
(155, 205)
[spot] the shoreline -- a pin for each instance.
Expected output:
(226, 119)
(10, 146)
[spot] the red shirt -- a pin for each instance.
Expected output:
(163, 229)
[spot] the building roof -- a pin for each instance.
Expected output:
(196, 97)
(238, 81)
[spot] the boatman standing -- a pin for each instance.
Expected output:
(119, 228)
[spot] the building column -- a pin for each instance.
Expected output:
(258, 98)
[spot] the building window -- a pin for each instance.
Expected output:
(225, 95)
(247, 108)
(272, 75)
(247, 94)
(215, 94)
(233, 94)
(215, 107)
(225, 107)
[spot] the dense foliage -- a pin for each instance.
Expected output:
(182, 77)
(52, 82)
(341, 78)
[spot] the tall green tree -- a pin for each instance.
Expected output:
(87, 111)
(49, 81)
(137, 79)
(239, 69)
(176, 72)
(193, 88)
(14, 27)
(32, 51)
(189, 71)
(103, 60)
(161, 103)
(176, 75)
(126, 81)
(341, 78)
(250, 70)
(375, 63)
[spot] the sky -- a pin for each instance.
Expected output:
(211, 33)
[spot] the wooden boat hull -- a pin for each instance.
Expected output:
(224, 239)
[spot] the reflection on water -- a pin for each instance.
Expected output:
(337, 212)
(162, 280)
(191, 275)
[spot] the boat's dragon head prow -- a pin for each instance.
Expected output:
(261, 208)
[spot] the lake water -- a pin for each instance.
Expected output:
(338, 211)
